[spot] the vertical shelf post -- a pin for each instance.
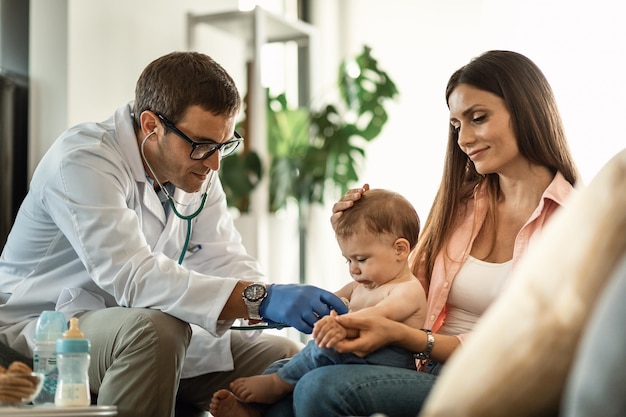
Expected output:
(257, 28)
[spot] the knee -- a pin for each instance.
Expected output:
(287, 348)
(277, 347)
(154, 330)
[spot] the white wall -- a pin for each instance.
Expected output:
(111, 41)
(48, 75)
(86, 55)
(578, 44)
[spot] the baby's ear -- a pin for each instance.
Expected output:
(402, 247)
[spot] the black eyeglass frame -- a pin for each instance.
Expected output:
(213, 147)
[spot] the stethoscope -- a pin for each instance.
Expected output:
(189, 218)
(171, 201)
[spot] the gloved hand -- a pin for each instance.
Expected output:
(299, 306)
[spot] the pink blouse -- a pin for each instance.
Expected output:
(460, 244)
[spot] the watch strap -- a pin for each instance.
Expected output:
(430, 343)
(253, 310)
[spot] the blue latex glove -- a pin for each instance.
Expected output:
(298, 306)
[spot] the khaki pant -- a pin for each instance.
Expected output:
(137, 357)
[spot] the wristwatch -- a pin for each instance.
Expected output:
(253, 295)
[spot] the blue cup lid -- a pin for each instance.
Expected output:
(50, 326)
(73, 346)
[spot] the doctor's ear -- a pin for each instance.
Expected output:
(149, 122)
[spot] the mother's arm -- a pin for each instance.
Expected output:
(375, 332)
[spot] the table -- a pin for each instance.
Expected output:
(53, 411)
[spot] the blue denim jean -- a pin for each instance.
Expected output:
(355, 390)
(313, 357)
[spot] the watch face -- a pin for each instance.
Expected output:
(254, 292)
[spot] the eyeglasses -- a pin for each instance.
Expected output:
(202, 150)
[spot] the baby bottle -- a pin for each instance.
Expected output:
(50, 327)
(73, 364)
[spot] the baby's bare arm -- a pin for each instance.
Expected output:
(405, 303)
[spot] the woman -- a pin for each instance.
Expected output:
(507, 170)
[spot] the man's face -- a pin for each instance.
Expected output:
(171, 157)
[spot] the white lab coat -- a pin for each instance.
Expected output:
(92, 233)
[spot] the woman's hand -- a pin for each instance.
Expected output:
(347, 201)
(374, 332)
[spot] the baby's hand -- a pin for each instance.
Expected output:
(327, 331)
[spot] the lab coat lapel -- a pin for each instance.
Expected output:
(128, 142)
(151, 202)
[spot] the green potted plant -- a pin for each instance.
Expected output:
(314, 154)
(315, 151)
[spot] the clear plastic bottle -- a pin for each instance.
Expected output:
(73, 362)
(50, 327)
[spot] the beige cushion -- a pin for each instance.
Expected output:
(517, 360)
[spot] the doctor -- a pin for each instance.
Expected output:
(126, 226)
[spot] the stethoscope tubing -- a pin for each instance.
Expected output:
(260, 327)
(171, 201)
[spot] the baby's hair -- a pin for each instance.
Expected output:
(381, 212)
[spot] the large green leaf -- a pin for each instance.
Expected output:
(312, 152)
(240, 173)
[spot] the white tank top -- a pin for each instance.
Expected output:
(474, 288)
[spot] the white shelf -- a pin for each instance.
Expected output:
(257, 28)
(242, 25)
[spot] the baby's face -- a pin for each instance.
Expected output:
(372, 259)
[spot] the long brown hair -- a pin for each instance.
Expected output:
(537, 127)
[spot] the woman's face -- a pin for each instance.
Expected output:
(484, 130)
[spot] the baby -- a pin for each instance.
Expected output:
(376, 236)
